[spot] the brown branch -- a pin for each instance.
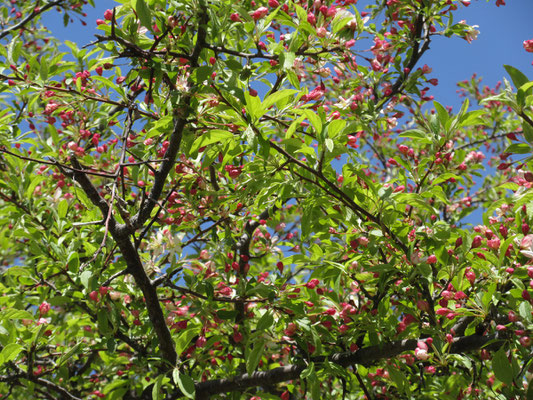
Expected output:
(480, 141)
(155, 313)
(221, 49)
(524, 116)
(29, 18)
(57, 164)
(121, 233)
(80, 175)
(65, 394)
(222, 299)
(175, 138)
(134, 266)
(415, 57)
(346, 199)
(118, 105)
(364, 356)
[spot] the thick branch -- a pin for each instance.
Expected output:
(65, 394)
(155, 313)
(90, 190)
(175, 138)
(134, 267)
(364, 356)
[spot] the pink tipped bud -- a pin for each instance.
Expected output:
(477, 242)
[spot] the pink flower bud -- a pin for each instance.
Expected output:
(422, 305)
(494, 243)
(528, 45)
(235, 17)
(44, 307)
(421, 354)
(108, 15)
(504, 231)
(470, 276)
(477, 242)
(443, 311)
(201, 341)
(259, 13)
(525, 341)
(460, 295)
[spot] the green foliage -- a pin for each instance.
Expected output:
(215, 199)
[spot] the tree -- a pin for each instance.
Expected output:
(259, 200)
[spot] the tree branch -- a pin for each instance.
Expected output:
(364, 356)
(31, 16)
(175, 138)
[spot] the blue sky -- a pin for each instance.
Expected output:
(502, 31)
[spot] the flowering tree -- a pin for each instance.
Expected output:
(259, 200)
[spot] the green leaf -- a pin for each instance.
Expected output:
(292, 128)
(162, 125)
(68, 354)
(13, 50)
(444, 177)
(73, 262)
(517, 77)
(10, 352)
(339, 22)
(253, 106)
(523, 92)
(277, 96)
(501, 367)
(210, 137)
(185, 383)
(185, 338)
(103, 322)
(252, 361)
(442, 113)
(12, 313)
(287, 60)
(62, 208)
(84, 278)
(526, 86)
(111, 388)
(143, 12)
(418, 135)
(464, 107)
(529, 394)
(525, 311)
(265, 322)
(43, 68)
(300, 11)
(156, 389)
(308, 371)
(518, 148)
(313, 118)
(336, 127)
(399, 380)
(329, 144)
(528, 132)
(415, 200)
(31, 188)
(474, 117)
